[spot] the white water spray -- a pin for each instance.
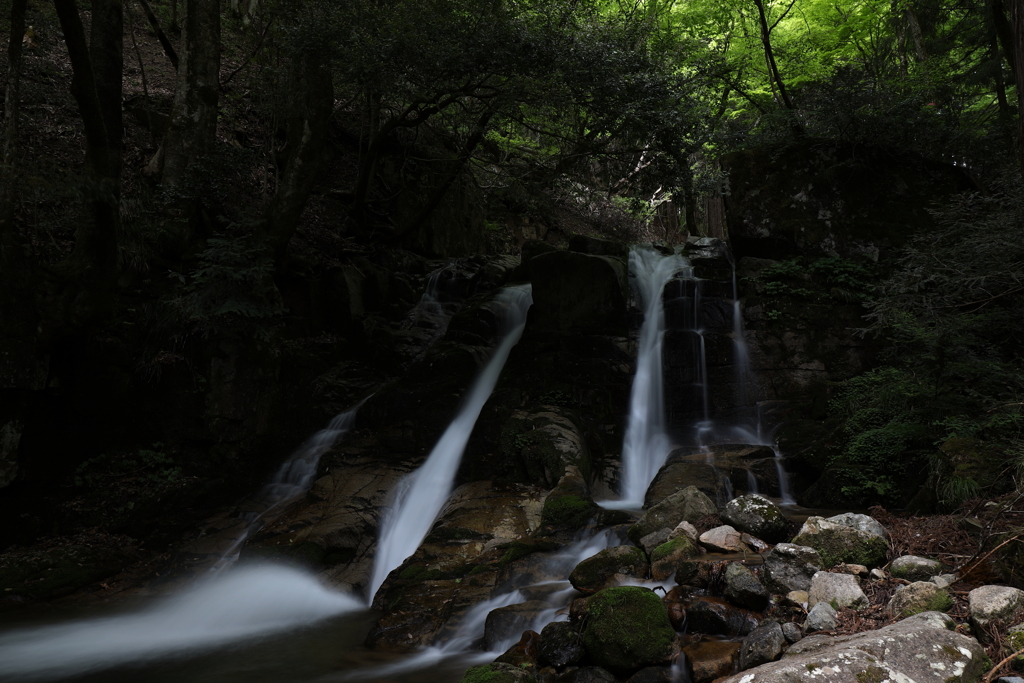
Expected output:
(646, 445)
(420, 496)
(239, 605)
(292, 479)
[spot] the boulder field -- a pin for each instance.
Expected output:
(751, 616)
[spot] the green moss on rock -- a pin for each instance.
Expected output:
(594, 573)
(567, 512)
(837, 546)
(627, 628)
(498, 673)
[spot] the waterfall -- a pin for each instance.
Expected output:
(646, 445)
(419, 497)
(291, 480)
(237, 606)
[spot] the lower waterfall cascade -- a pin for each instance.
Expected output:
(241, 603)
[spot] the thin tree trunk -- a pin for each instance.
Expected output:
(192, 130)
(307, 135)
(96, 86)
(154, 23)
(458, 164)
(1005, 117)
(1017, 28)
(773, 68)
(9, 158)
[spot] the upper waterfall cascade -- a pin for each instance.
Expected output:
(419, 497)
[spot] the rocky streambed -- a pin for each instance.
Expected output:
(667, 604)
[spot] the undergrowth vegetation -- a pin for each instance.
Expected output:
(945, 408)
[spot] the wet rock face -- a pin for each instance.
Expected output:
(601, 570)
(789, 567)
(757, 516)
(743, 589)
(716, 617)
(688, 505)
(505, 623)
(710, 659)
(578, 292)
(560, 645)
(736, 462)
(928, 650)
(626, 629)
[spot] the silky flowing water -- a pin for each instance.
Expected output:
(273, 623)
(421, 495)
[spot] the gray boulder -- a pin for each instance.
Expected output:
(914, 568)
(868, 525)
(821, 618)
(763, 645)
(838, 590)
(792, 632)
(723, 539)
(743, 589)
(838, 543)
(757, 516)
(688, 505)
(993, 603)
(653, 540)
(789, 567)
(928, 650)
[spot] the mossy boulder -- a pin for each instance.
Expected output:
(688, 505)
(599, 571)
(837, 543)
(498, 672)
(920, 596)
(757, 516)
(666, 557)
(627, 628)
(914, 568)
(569, 505)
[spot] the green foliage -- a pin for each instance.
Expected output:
(231, 291)
(949, 402)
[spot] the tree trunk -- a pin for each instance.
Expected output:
(456, 168)
(307, 134)
(9, 158)
(1017, 28)
(88, 283)
(192, 130)
(773, 68)
(165, 42)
